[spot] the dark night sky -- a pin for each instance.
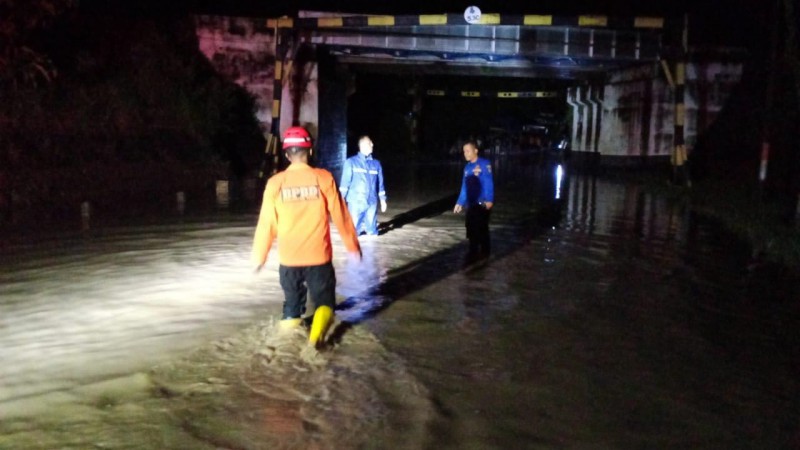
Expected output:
(733, 22)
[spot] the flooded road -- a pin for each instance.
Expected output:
(605, 317)
(105, 304)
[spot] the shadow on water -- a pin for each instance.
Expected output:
(437, 266)
(425, 211)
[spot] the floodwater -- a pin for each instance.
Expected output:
(606, 317)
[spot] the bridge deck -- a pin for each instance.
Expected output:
(560, 46)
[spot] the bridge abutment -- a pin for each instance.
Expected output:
(620, 116)
(633, 111)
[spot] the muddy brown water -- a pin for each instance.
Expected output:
(605, 317)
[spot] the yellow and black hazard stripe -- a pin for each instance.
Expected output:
(587, 21)
(271, 159)
(490, 94)
(277, 86)
(679, 154)
(528, 94)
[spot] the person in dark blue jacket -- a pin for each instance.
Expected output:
(362, 187)
(477, 197)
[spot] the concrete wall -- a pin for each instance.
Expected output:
(300, 97)
(242, 50)
(636, 116)
(709, 85)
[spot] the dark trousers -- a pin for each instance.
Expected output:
(477, 221)
(297, 282)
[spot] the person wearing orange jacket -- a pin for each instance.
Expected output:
(298, 205)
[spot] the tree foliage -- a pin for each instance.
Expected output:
(129, 89)
(135, 109)
(21, 65)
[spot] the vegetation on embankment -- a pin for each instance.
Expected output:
(111, 109)
(772, 231)
(769, 226)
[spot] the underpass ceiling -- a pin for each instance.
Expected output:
(476, 68)
(578, 48)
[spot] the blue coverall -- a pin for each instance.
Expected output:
(477, 188)
(362, 187)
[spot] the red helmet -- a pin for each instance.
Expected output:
(296, 137)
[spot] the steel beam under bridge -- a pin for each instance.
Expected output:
(573, 47)
(518, 45)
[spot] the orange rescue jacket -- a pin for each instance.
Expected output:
(297, 207)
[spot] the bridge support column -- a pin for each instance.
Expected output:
(596, 99)
(679, 156)
(572, 95)
(295, 96)
(332, 104)
(586, 102)
(271, 159)
(301, 92)
(586, 149)
(588, 118)
(647, 119)
(315, 89)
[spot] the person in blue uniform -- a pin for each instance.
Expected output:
(362, 187)
(477, 198)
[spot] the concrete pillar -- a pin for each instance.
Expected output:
(647, 118)
(679, 156)
(572, 94)
(301, 91)
(583, 113)
(588, 117)
(295, 95)
(271, 160)
(592, 141)
(332, 135)
(596, 99)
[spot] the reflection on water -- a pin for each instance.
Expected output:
(101, 306)
(559, 181)
(605, 317)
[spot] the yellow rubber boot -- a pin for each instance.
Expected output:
(289, 324)
(323, 317)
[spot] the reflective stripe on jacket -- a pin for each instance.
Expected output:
(362, 180)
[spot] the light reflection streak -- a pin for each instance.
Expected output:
(109, 305)
(559, 180)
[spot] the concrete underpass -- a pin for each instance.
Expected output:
(616, 91)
